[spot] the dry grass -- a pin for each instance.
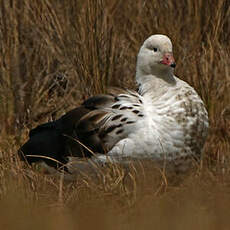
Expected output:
(53, 54)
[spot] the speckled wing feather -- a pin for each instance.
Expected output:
(109, 119)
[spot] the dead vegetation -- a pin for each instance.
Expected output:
(54, 54)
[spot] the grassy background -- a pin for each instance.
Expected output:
(54, 54)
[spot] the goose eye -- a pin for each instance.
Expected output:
(155, 49)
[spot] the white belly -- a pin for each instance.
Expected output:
(148, 141)
(173, 126)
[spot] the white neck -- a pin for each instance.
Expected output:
(156, 83)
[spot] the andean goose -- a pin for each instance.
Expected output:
(165, 119)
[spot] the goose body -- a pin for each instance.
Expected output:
(165, 119)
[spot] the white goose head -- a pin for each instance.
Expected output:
(155, 57)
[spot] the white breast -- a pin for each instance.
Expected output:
(174, 125)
